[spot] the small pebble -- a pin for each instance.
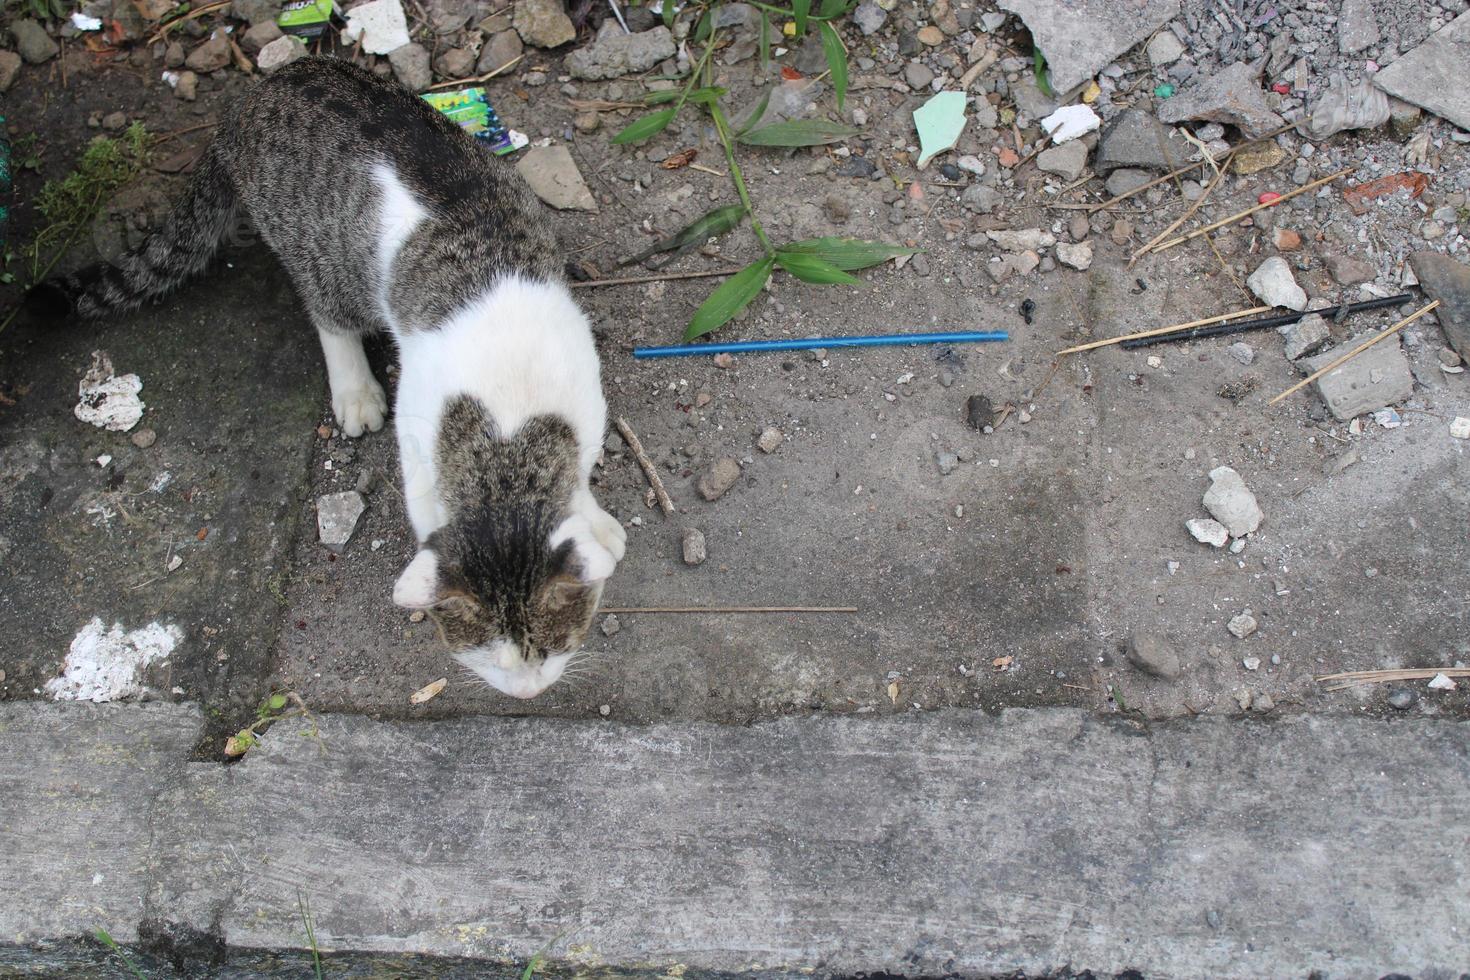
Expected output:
(610, 625)
(604, 710)
(1402, 698)
(144, 438)
(417, 616)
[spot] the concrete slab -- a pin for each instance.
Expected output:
(1432, 75)
(1080, 37)
(78, 783)
(943, 843)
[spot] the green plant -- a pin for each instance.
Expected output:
(39, 9)
(111, 944)
(270, 711)
(819, 261)
(303, 905)
(1043, 78)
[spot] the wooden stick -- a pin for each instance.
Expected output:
(1158, 330)
(647, 465)
(477, 79)
(1355, 351)
(1252, 210)
(1199, 202)
(1358, 678)
(631, 280)
(163, 29)
(727, 610)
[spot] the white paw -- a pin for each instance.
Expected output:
(361, 408)
(609, 533)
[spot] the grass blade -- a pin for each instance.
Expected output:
(800, 11)
(645, 126)
(111, 944)
(755, 117)
(732, 296)
(765, 44)
(668, 14)
(833, 8)
(1043, 81)
(848, 254)
(304, 906)
(836, 60)
(797, 132)
(810, 268)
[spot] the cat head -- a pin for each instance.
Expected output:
(512, 608)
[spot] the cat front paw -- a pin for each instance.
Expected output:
(609, 533)
(361, 408)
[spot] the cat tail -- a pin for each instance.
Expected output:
(179, 250)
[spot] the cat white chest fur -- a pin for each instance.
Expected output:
(522, 348)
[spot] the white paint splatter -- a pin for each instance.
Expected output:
(106, 400)
(82, 22)
(104, 665)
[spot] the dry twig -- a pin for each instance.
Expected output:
(646, 464)
(633, 280)
(477, 79)
(1252, 210)
(1357, 678)
(726, 610)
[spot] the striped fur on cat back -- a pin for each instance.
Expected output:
(388, 217)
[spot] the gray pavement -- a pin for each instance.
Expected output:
(942, 843)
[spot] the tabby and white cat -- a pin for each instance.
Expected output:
(389, 217)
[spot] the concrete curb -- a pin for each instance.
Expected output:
(941, 843)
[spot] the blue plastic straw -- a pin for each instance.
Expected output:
(883, 340)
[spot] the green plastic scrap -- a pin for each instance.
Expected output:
(1164, 91)
(939, 122)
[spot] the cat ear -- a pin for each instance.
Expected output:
(588, 560)
(418, 586)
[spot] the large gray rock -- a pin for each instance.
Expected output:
(410, 64)
(1357, 27)
(1375, 379)
(502, 48)
(1448, 281)
(280, 53)
(1274, 285)
(553, 175)
(255, 12)
(1432, 76)
(1304, 336)
(32, 41)
(615, 54)
(1080, 37)
(1066, 161)
(1232, 96)
(336, 517)
(10, 63)
(543, 23)
(212, 55)
(1136, 139)
(1231, 502)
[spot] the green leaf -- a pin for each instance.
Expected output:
(703, 96)
(730, 298)
(668, 12)
(833, 8)
(702, 29)
(697, 232)
(797, 132)
(847, 253)
(755, 116)
(836, 60)
(800, 10)
(809, 268)
(643, 128)
(765, 44)
(1043, 82)
(277, 702)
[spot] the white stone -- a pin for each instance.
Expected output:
(1242, 626)
(379, 26)
(104, 664)
(336, 517)
(1023, 240)
(1442, 682)
(107, 400)
(1460, 427)
(1230, 502)
(1274, 284)
(1078, 256)
(1070, 122)
(1208, 532)
(280, 53)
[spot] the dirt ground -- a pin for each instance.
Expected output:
(1015, 579)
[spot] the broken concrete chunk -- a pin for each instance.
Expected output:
(1077, 256)
(379, 26)
(1348, 271)
(543, 23)
(721, 476)
(1080, 37)
(869, 17)
(502, 48)
(1066, 161)
(336, 517)
(1164, 49)
(1432, 76)
(1027, 239)
(1448, 281)
(1231, 503)
(280, 53)
(259, 36)
(1274, 284)
(553, 175)
(1242, 625)
(212, 55)
(410, 65)
(1305, 336)
(1375, 379)
(1151, 653)
(1070, 122)
(1232, 96)
(615, 54)
(1207, 531)
(693, 546)
(1357, 27)
(1136, 139)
